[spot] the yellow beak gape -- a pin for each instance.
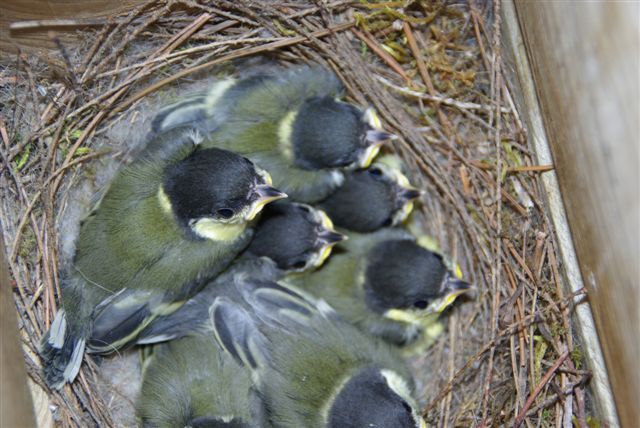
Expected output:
(266, 194)
(449, 299)
(327, 225)
(370, 154)
(372, 118)
(326, 252)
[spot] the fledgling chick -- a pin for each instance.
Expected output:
(372, 198)
(312, 368)
(290, 122)
(295, 236)
(386, 284)
(170, 220)
(189, 383)
(289, 238)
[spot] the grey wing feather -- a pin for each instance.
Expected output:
(256, 95)
(193, 316)
(119, 318)
(188, 110)
(281, 305)
(236, 332)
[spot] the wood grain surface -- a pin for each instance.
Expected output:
(37, 39)
(585, 62)
(16, 408)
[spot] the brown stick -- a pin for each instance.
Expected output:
(391, 62)
(238, 54)
(545, 379)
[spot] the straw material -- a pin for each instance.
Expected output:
(433, 73)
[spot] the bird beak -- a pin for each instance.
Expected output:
(423, 424)
(266, 194)
(375, 136)
(369, 155)
(327, 238)
(330, 237)
(452, 287)
(406, 195)
(327, 248)
(411, 193)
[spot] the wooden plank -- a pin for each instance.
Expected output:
(16, 408)
(37, 40)
(518, 74)
(584, 59)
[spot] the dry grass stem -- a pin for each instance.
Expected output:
(432, 71)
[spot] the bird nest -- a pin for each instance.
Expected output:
(434, 74)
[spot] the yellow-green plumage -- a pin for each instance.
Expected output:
(135, 259)
(262, 117)
(386, 284)
(301, 355)
(189, 381)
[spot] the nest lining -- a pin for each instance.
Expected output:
(434, 74)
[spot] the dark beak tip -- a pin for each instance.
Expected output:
(271, 192)
(377, 136)
(333, 237)
(454, 284)
(410, 194)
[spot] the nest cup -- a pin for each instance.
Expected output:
(433, 73)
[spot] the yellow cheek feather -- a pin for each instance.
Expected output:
(325, 220)
(402, 316)
(163, 199)
(216, 231)
(285, 127)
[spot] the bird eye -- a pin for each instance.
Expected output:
(225, 213)
(407, 407)
(387, 222)
(421, 304)
(304, 208)
(299, 264)
(376, 172)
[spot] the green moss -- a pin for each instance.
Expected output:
(27, 244)
(577, 357)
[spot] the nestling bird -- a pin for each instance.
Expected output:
(387, 284)
(290, 122)
(297, 237)
(172, 219)
(311, 368)
(189, 383)
(372, 198)
(289, 238)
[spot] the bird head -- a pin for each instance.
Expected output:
(215, 193)
(408, 283)
(327, 133)
(295, 236)
(372, 198)
(374, 397)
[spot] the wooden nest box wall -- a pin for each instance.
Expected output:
(566, 76)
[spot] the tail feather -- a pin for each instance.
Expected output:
(61, 351)
(188, 111)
